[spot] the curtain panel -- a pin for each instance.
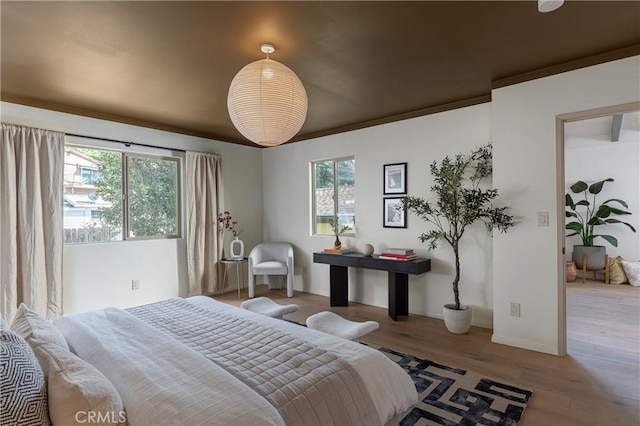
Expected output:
(204, 196)
(31, 229)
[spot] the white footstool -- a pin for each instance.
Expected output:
(334, 324)
(266, 306)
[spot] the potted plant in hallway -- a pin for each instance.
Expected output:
(460, 200)
(588, 214)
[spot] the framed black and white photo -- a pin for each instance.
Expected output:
(395, 178)
(393, 215)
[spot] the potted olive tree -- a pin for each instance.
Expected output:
(460, 200)
(587, 214)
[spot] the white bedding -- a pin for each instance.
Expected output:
(160, 381)
(165, 382)
(390, 387)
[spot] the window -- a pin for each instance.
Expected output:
(131, 196)
(89, 176)
(334, 195)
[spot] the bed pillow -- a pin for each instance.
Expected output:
(3, 325)
(632, 269)
(23, 389)
(31, 325)
(77, 390)
(616, 271)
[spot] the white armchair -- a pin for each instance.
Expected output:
(275, 260)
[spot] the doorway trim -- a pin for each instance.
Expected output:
(560, 195)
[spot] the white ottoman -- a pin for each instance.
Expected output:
(331, 323)
(266, 306)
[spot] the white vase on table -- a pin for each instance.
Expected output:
(236, 249)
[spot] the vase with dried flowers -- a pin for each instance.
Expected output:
(227, 223)
(337, 230)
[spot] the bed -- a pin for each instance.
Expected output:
(200, 361)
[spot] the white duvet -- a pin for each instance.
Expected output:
(160, 381)
(163, 381)
(390, 387)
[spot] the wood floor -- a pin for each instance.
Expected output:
(597, 384)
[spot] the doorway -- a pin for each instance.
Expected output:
(584, 128)
(601, 321)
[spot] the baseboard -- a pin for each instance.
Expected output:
(524, 344)
(483, 324)
(436, 315)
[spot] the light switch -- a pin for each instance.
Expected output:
(543, 218)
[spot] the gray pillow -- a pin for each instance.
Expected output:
(30, 325)
(23, 389)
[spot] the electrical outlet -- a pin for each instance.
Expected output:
(135, 284)
(514, 309)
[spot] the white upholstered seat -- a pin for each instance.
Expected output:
(266, 306)
(331, 323)
(270, 268)
(275, 261)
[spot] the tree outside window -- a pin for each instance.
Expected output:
(133, 196)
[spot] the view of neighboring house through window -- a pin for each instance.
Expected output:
(113, 196)
(334, 195)
(82, 204)
(89, 176)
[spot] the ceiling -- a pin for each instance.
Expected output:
(168, 65)
(623, 128)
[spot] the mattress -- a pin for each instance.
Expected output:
(199, 361)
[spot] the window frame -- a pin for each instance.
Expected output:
(125, 196)
(127, 152)
(313, 216)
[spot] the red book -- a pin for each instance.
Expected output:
(398, 256)
(397, 259)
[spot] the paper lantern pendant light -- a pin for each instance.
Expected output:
(267, 102)
(545, 6)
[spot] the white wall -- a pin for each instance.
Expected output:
(522, 123)
(418, 142)
(593, 160)
(99, 275)
(526, 159)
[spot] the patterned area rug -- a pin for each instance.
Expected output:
(451, 396)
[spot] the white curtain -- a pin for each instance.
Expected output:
(31, 234)
(204, 203)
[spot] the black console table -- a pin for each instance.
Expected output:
(398, 277)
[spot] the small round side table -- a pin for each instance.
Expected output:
(239, 262)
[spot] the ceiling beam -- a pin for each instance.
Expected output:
(616, 126)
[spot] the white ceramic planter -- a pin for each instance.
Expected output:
(457, 321)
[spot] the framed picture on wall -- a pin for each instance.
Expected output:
(395, 178)
(393, 215)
